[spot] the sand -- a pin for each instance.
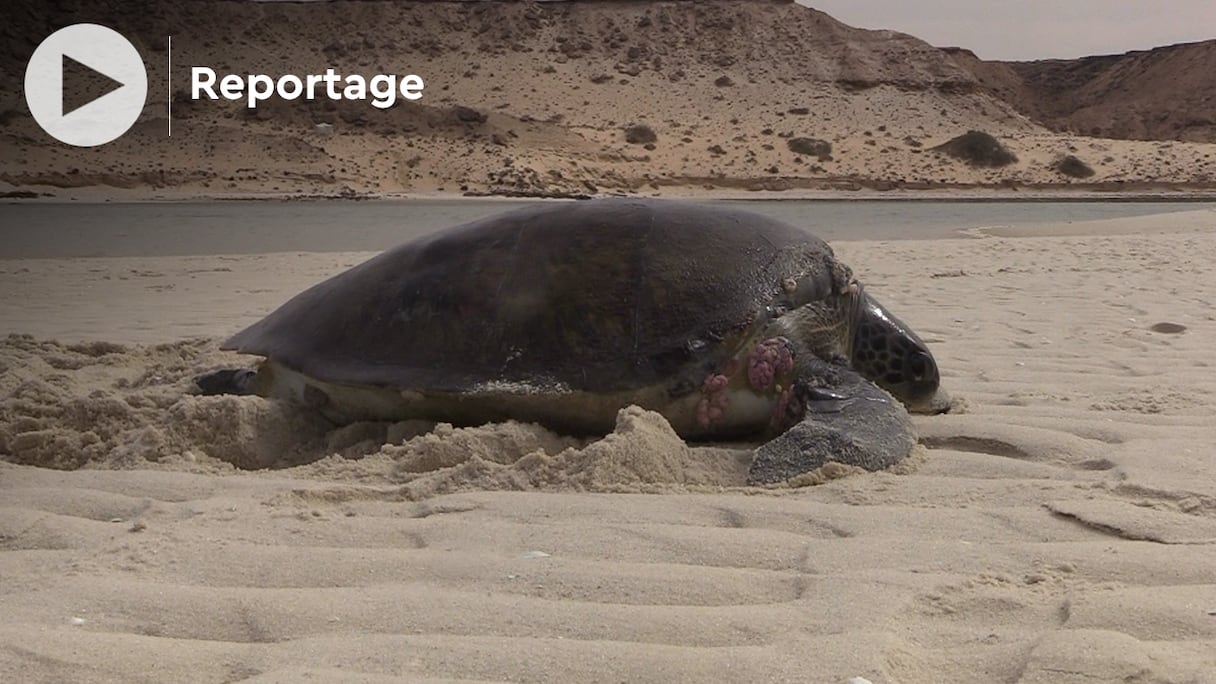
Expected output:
(1060, 528)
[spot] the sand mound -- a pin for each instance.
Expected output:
(107, 405)
(642, 454)
(103, 405)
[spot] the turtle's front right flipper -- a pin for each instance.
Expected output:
(820, 399)
(226, 381)
(844, 418)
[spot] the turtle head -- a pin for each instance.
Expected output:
(886, 351)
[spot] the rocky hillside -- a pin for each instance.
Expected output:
(1168, 93)
(553, 98)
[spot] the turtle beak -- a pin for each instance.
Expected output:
(937, 404)
(887, 352)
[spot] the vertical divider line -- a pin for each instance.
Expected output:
(169, 74)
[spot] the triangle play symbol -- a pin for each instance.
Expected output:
(82, 84)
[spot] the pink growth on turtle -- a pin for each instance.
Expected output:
(714, 400)
(781, 410)
(769, 358)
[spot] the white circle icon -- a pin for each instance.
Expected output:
(116, 88)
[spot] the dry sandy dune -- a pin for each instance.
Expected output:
(1061, 529)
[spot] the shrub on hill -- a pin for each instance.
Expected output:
(1073, 167)
(812, 147)
(978, 148)
(640, 134)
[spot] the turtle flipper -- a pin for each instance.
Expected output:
(226, 381)
(821, 400)
(845, 419)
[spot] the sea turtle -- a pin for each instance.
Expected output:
(726, 322)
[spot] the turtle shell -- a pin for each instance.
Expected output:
(599, 296)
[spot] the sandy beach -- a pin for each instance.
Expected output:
(1060, 527)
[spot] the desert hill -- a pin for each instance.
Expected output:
(1168, 93)
(561, 98)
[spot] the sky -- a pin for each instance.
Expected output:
(1034, 29)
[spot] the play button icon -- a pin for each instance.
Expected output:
(86, 85)
(82, 85)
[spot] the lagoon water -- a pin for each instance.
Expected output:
(49, 230)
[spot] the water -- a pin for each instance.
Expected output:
(38, 230)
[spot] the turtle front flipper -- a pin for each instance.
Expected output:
(820, 399)
(844, 418)
(226, 381)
